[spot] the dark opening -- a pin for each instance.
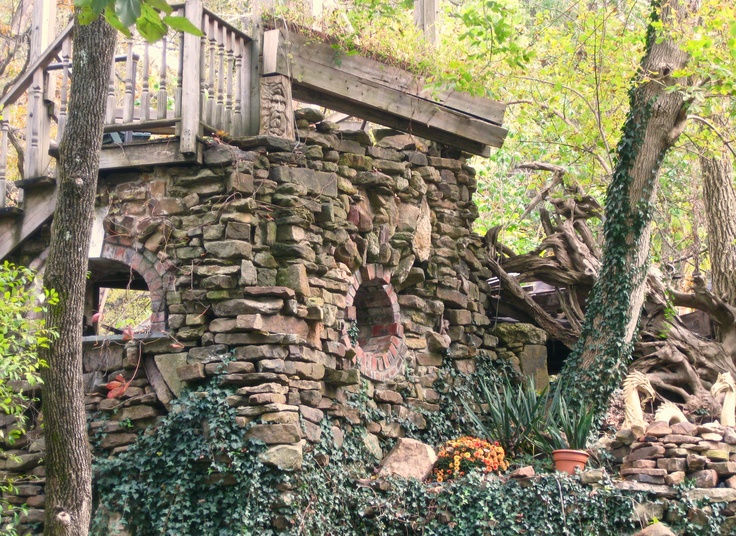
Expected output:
(374, 317)
(556, 355)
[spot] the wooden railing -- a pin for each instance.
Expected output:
(184, 85)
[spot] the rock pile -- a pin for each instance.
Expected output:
(670, 454)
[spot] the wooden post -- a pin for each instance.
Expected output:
(253, 104)
(4, 127)
(37, 128)
(425, 16)
(191, 112)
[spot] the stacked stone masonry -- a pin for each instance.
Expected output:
(705, 454)
(261, 264)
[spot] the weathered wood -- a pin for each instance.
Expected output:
(129, 97)
(25, 80)
(190, 91)
(37, 122)
(148, 153)
(163, 98)
(145, 94)
(298, 47)
(277, 107)
(425, 17)
(66, 61)
(400, 123)
(325, 85)
(4, 127)
(39, 204)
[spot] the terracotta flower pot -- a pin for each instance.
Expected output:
(567, 460)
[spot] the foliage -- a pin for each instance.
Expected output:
(22, 333)
(456, 388)
(152, 18)
(475, 504)
(568, 428)
(195, 474)
(460, 456)
(513, 413)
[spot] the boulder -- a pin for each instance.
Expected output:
(657, 529)
(408, 459)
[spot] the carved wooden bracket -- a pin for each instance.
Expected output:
(277, 107)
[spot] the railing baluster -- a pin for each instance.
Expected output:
(145, 95)
(162, 94)
(213, 53)
(35, 111)
(129, 97)
(179, 75)
(237, 118)
(220, 35)
(4, 129)
(111, 104)
(204, 88)
(66, 52)
(229, 67)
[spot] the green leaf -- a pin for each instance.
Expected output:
(128, 11)
(86, 15)
(113, 20)
(182, 24)
(149, 24)
(160, 5)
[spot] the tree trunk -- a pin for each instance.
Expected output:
(720, 199)
(68, 460)
(655, 121)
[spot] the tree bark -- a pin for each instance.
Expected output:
(720, 199)
(68, 459)
(655, 121)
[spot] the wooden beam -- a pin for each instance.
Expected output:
(147, 154)
(39, 206)
(340, 91)
(299, 48)
(334, 102)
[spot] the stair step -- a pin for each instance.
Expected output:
(36, 182)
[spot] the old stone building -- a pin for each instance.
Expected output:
(296, 268)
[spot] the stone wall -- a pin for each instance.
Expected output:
(705, 453)
(291, 271)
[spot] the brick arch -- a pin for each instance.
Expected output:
(372, 303)
(157, 275)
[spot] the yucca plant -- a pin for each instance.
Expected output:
(514, 414)
(567, 427)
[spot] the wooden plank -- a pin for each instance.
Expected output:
(143, 126)
(388, 103)
(397, 122)
(190, 102)
(299, 48)
(40, 204)
(148, 153)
